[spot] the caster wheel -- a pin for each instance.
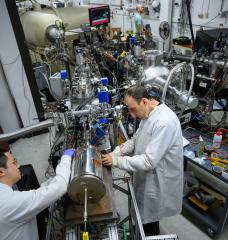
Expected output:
(210, 232)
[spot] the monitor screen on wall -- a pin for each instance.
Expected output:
(99, 16)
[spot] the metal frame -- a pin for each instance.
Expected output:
(138, 232)
(74, 233)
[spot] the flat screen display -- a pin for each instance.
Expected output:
(99, 16)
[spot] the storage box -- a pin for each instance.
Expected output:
(218, 201)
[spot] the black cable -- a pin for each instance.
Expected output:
(211, 19)
(54, 145)
(188, 2)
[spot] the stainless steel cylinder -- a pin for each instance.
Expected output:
(137, 51)
(158, 76)
(152, 58)
(87, 172)
(83, 89)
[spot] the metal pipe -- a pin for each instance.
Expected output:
(218, 63)
(81, 112)
(111, 5)
(24, 131)
(190, 89)
(181, 57)
(167, 82)
(198, 75)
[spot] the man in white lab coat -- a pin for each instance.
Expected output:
(18, 209)
(155, 156)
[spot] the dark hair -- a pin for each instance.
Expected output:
(3, 159)
(137, 92)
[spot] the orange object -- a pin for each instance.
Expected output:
(218, 160)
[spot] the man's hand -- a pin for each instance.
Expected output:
(107, 160)
(69, 152)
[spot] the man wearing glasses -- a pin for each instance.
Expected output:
(18, 209)
(155, 156)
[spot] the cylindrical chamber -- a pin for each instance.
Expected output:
(73, 17)
(83, 89)
(37, 24)
(138, 51)
(87, 172)
(152, 58)
(158, 76)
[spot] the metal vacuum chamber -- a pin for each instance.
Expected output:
(87, 173)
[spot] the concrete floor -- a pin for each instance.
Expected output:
(36, 150)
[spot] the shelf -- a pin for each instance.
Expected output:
(211, 218)
(215, 219)
(207, 168)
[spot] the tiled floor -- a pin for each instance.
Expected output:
(36, 150)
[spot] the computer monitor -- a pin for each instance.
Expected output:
(99, 16)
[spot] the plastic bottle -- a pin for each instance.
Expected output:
(201, 146)
(217, 139)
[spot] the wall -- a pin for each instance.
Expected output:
(204, 13)
(15, 80)
(8, 109)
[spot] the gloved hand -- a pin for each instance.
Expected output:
(69, 152)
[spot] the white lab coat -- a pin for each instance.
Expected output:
(18, 209)
(157, 163)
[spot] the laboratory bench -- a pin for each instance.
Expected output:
(214, 218)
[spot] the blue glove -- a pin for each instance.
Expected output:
(69, 152)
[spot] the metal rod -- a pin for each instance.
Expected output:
(188, 3)
(123, 130)
(136, 211)
(81, 112)
(130, 214)
(123, 221)
(118, 178)
(120, 189)
(85, 211)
